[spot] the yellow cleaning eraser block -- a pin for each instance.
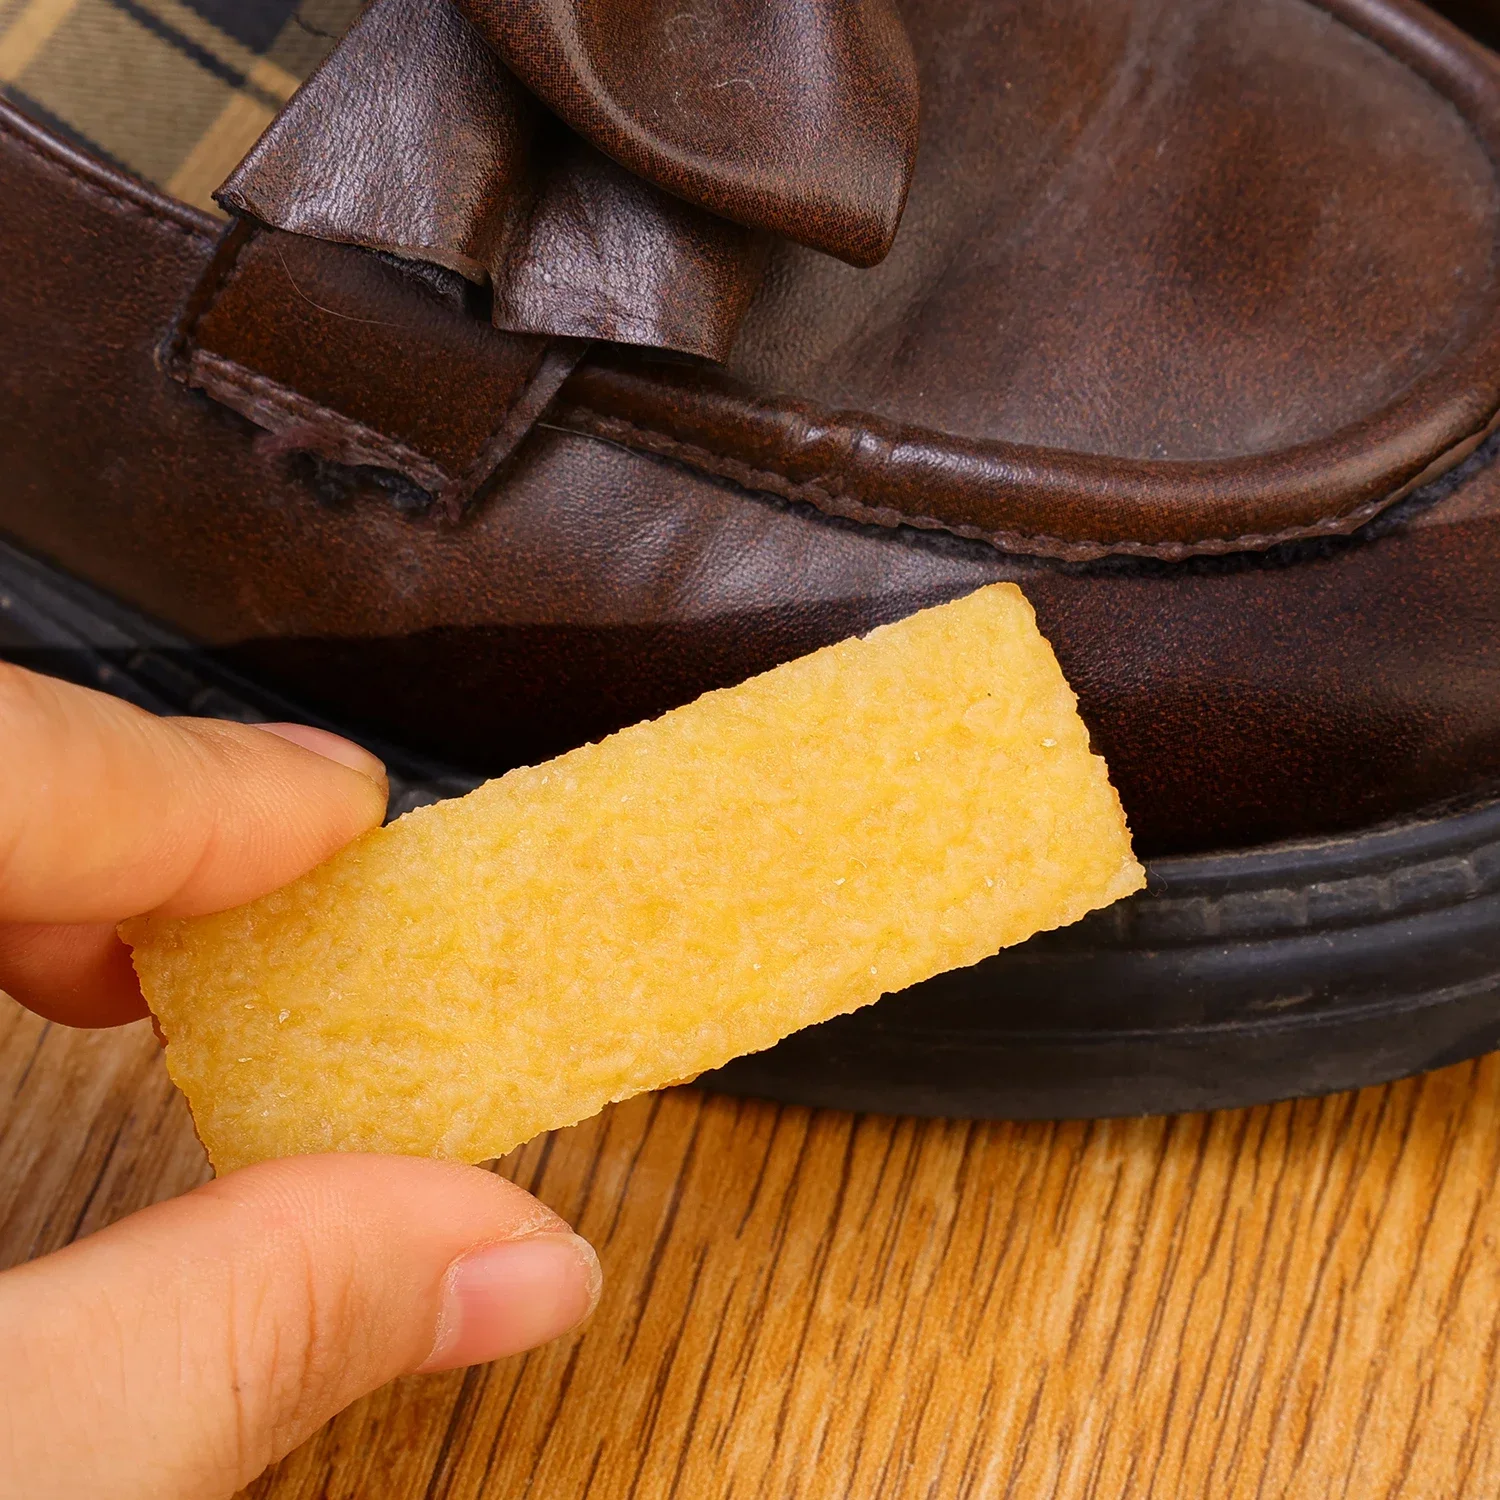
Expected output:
(643, 909)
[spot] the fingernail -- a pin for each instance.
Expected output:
(330, 747)
(510, 1297)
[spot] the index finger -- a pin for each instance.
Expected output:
(107, 811)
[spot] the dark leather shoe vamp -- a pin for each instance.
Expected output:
(1191, 327)
(1149, 229)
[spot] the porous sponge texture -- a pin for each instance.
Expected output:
(643, 909)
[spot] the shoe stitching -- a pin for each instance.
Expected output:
(1040, 544)
(770, 480)
(354, 442)
(453, 492)
(181, 350)
(133, 200)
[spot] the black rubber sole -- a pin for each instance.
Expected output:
(1233, 979)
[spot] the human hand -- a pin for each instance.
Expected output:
(178, 1352)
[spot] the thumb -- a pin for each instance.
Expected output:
(180, 1351)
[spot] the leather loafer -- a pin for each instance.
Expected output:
(1184, 317)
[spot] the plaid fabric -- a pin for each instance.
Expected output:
(175, 91)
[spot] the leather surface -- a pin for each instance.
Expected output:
(609, 256)
(1159, 230)
(799, 118)
(347, 356)
(1175, 280)
(413, 138)
(699, 134)
(413, 92)
(1237, 701)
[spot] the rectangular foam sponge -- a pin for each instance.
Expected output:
(648, 907)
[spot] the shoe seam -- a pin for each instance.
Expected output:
(186, 357)
(183, 352)
(137, 201)
(1040, 544)
(213, 373)
(134, 200)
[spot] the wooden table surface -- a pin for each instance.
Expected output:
(1295, 1301)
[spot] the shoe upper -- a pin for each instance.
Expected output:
(1191, 327)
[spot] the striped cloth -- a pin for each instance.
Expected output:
(174, 91)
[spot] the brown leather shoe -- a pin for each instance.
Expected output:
(560, 367)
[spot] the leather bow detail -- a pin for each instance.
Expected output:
(612, 169)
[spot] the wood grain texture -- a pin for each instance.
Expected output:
(1301, 1300)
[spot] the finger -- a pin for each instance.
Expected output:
(79, 975)
(180, 1351)
(107, 811)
